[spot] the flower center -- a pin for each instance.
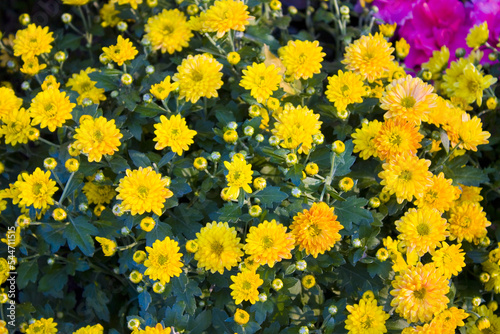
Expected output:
(423, 229)
(50, 109)
(395, 139)
(143, 192)
(302, 59)
(37, 188)
(408, 102)
(217, 248)
(86, 86)
(167, 29)
(98, 135)
(162, 259)
(405, 175)
(267, 242)
(420, 293)
(473, 86)
(314, 230)
(465, 222)
(197, 76)
(367, 323)
(246, 285)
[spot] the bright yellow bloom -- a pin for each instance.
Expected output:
(143, 190)
(364, 139)
(397, 136)
(484, 311)
(261, 80)
(296, 127)
(452, 74)
(241, 317)
(316, 230)
(345, 88)
(158, 329)
(85, 87)
(31, 66)
(447, 321)
(198, 76)
(471, 134)
(108, 246)
(472, 83)
(96, 137)
(402, 48)
(422, 230)
(409, 98)
(449, 259)
(121, 52)
(173, 133)
(109, 15)
(13, 239)
(50, 82)
(168, 31)
(308, 281)
(269, 243)
(419, 293)
(226, 15)
(16, 127)
(51, 108)
(468, 221)
(45, 326)
(440, 195)
(438, 62)
(96, 329)
(8, 102)
(239, 176)
(493, 269)
(245, 287)
(302, 59)
(132, 3)
(370, 56)
(75, 2)
(32, 41)
(366, 318)
(219, 247)
(164, 260)
(162, 90)
(4, 270)
(470, 194)
(478, 35)
(387, 29)
(36, 189)
(99, 192)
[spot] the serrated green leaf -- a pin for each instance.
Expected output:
(185, 290)
(468, 176)
(139, 159)
(78, 234)
(352, 212)
(27, 272)
(118, 164)
(270, 195)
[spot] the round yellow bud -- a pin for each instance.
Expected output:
(127, 79)
(73, 151)
(33, 134)
(492, 103)
(139, 256)
(275, 5)
(192, 246)
(368, 295)
(308, 281)
(24, 19)
(338, 147)
(59, 214)
(230, 136)
(382, 254)
(49, 163)
(72, 165)
(312, 169)
(259, 183)
(374, 202)
(255, 211)
(158, 287)
(277, 284)
(98, 210)
(200, 163)
(484, 277)
(483, 323)
(384, 197)
(233, 58)
(346, 184)
(291, 159)
(273, 103)
(493, 305)
(152, 3)
(476, 301)
(135, 276)
(147, 224)
(241, 317)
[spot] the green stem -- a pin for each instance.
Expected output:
(66, 187)
(329, 179)
(47, 142)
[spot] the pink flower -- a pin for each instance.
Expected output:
(391, 11)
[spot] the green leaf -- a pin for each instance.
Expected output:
(97, 300)
(144, 300)
(118, 164)
(219, 323)
(148, 110)
(139, 159)
(185, 290)
(166, 159)
(230, 212)
(295, 174)
(160, 231)
(27, 272)
(53, 236)
(270, 195)
(351, 211)
(53, 281)
(107, 79)
(201, 322)
(78, 234)
(345, 160)
(468, 176)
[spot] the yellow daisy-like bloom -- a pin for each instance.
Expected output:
(31, 66)
(51, 108)
(406, 176)
(241, 317)
(438, 62)
(440, 195)
(8, 102)
(296, 127)
(387, 29)
(226, 15)
(83, 85)
(158, 329)
(370, 56)
(143, 190)
(478, 35)
(316, 230)
(168, 31)
(96, 137)
(173, 133)
(45, 326)
(121, 52)
(471, 134)
(469, 194)
(409, 98)
(132, 3)
(109, 15)
(36, 189)
(245, 287)
(269, 243)
(198, 76)
(402, 48)
(364, 143)
(239, 176)
(32, 41)
(484, 311)
(164, 260)
(218, 247)
(468, 221)
(4, 270)
(447, 321)
(449, 259)
(397, 136)
(50, 82)
(98, 192)
(302, 59)
(16, 127)
(96, 329)
(162, 90)
(419, 293)
(493, 269)
(108, 246)
(75, 2)
(454, 72)
(344, 89)
(261, 80)
(366, 318)
(422, 230)
(472, 83)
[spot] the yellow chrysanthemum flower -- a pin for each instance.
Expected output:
(302, 59)
(452, 74)
(471, 134)
(366, 318)
(98, 192)
(296, 127)
(173, 133)
(422, 230)
(387, 29)
(484, 311)
(478, 35)
(419, 293)
(449, 259)
(96, 329)
(472, 83)
(198, 76)
(16, 127)
(164, 260)
(370, 56)
(32, 41)
(158, 329)
(468, 221)
(51, 108)
(132, 3)
(31, 66)
(261, 80)
(109, 15)
(409, 98)
(50, 82)
(364, 143)
(75, 2)
(108, 246)
(8, 101)
(447, 321)
(96, 137)
(121, 52)
(226, 15)
(316, 230)
(4, 270)
(438, 62)
(493, 269)
(85, 87)
(239, 176)
(440, 195)
(162, 90)
(143, 190)
(218, 247)
(469, 194)
(168, 31)
(245, 287)
(241, 317)
(36, 189)
(269, 243)
(45, 326)
(397, 136)
(345, 88)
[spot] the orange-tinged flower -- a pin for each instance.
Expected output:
(302, 59)
(440, 195)
(397, 136)
(468, 221)
(96, 137)
(364, 142)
